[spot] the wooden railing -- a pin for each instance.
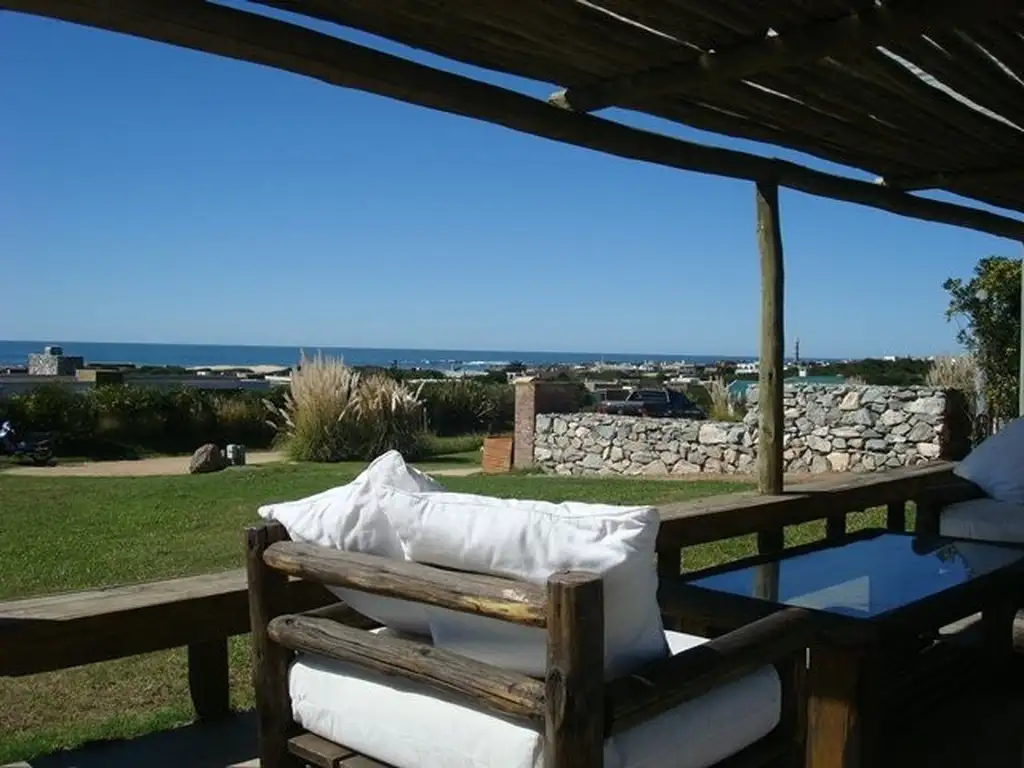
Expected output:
(43, 634)
(831, 499)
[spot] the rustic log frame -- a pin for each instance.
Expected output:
(874, 25)
(574, 705)
(252, 37)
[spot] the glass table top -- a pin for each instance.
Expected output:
(866, 577)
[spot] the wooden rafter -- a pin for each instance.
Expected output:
(241, 35)
(870, 27)
(945, 179)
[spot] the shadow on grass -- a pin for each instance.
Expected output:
(223, 744)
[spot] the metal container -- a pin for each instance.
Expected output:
(235, 454)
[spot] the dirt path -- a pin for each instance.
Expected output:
(171, 465)
(160, 465)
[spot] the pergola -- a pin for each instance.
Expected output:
(924, 94)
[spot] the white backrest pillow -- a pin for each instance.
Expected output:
(529, 541)
(997, 465)
(349, 518)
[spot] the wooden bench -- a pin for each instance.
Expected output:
(54, 632)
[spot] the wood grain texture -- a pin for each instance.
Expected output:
(318, 752)
(272, 42)
(770, 369)
(512, 695)
(490, 596)
(722, 517)
(574, 684)
(268, 598)
(865, 27)
(42, 634)
(842, 708)
(666, 683)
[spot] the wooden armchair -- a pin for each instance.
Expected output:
(573, 709)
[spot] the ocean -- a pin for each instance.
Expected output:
(17, 352)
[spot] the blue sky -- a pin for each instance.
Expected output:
(154, 194)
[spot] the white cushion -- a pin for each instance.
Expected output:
(985, 519)
(349, 518)
(407, 726)
(997, 465)
(529, 541)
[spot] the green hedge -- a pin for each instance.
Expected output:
(127, 421)
(468, 407)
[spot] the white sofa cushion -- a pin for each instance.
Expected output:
(406, 725)
(350, 518)
(997, 465)
(529, 541)
(985, 519)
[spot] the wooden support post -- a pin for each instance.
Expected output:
(208, 679)
(670, 565)
(770, 367)
(766, 584)
(926, 517)
(574, 697)
(267, 600)
(835, 527)
(896, 516)
(842, 707)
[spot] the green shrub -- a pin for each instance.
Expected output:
(243, 419)
(331, 413)
(468, 407)
(58, 408)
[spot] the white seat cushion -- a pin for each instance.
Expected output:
(393, 511)
(349, 518)
(405, 725)
(995, 465)
(984, 519)
(529, 541)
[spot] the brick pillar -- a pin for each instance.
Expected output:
(526, 424)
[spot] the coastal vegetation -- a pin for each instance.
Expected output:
(130, 421)
(334, 413)
(987, 310)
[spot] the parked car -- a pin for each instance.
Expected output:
(654, 402)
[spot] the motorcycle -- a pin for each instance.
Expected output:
(37, 449)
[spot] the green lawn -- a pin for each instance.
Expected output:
(70, 533)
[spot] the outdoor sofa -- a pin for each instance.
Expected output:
(485, 632)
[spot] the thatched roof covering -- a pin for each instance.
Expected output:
(923, 93)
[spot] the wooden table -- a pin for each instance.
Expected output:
(883, 597)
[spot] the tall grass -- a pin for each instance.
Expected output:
(724, 407)
(954, 373)
(331, 413)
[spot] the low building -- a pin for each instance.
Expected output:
(53, 362)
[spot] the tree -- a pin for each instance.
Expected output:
(989, 306)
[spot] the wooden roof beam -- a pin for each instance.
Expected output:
(263, 40)
(870, 27)
(943, 179)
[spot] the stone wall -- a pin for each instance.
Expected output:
(827, 429)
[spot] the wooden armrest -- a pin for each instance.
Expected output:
(951, 490)
(667, 683)
(510, 694)
(490, 596)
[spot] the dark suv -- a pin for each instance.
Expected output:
(654, 402)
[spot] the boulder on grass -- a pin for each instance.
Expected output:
(208, 458)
